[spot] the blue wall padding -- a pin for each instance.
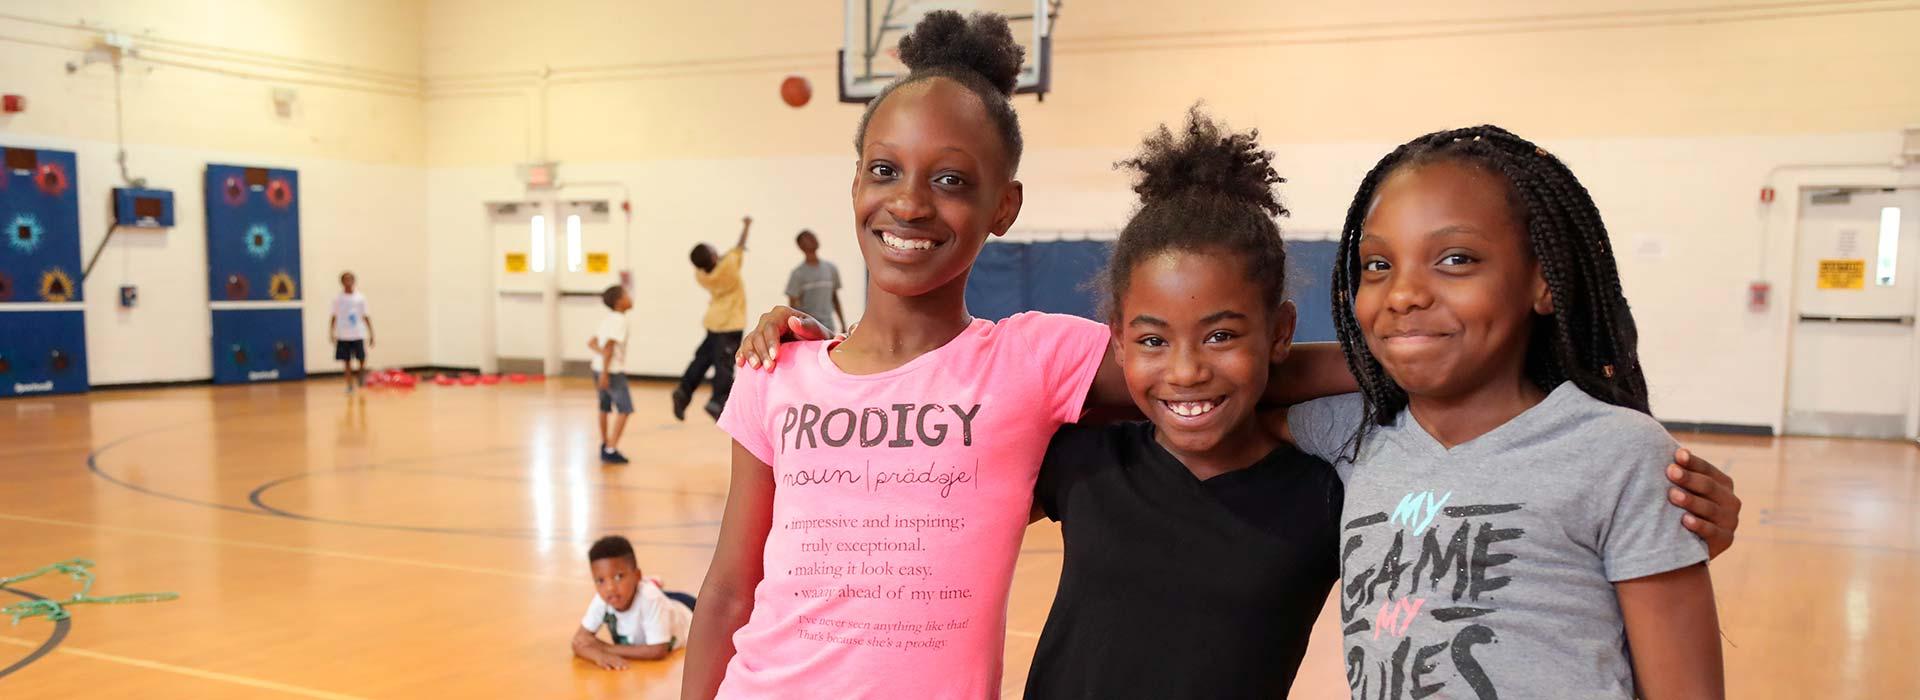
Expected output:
(996, 288)
(253, 244)
(253, 232)
(1009, 278)
(41, 227)
(1058, 276)
(1054, 276)
(43, 352)
(1310, 283)
(257, 345)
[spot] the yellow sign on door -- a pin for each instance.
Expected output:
(597, 263)
(517, 263)
(1843, 274)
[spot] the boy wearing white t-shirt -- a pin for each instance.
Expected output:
(609, 346)
(643, 621)
(351, 331)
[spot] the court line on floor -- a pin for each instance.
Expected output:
(60, 628)
(372, 558)
(194, 672)
(611, 485)
(258, 498)
(261, 509)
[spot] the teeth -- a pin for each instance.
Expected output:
(893, 241)
(1190, 409)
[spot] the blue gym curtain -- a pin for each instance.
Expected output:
(997, 288)
(1310, 285)
(1054, 277)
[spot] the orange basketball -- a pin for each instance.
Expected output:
(795, 91)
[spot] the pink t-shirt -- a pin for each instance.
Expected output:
(900, 501)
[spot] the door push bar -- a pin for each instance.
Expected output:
(1894, 320)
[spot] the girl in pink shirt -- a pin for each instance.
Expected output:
(881, 483)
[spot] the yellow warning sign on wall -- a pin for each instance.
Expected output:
(516, 263)
(1843, 274)
(597, 263)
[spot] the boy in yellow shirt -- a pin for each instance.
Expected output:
(726, 318)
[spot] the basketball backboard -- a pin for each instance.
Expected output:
(869, 59)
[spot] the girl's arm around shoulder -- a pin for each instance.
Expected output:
(1311, 371)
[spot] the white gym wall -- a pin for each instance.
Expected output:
(1675, 118)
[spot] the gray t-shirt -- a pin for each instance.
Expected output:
(814, 285)
(1487, 570)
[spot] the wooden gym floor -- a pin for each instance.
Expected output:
(431, 544)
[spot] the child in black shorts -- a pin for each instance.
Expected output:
(351, 331)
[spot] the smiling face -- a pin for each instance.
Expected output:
(1195, 339)
(933, 183)
(1449, 287)
(615, 579)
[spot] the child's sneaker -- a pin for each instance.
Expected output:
(714, 408)
(680, 401)
(611, 456)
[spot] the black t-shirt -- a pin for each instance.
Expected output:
(1175, 587)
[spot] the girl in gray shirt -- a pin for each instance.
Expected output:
(1503, 474)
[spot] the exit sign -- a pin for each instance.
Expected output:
(539, 176)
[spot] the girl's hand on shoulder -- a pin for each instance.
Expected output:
(1713, 509)
(761, 345)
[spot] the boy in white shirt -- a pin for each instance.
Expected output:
(351, 331)
(644, 622)
(609, 346)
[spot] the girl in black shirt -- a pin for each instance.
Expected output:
(1199, 548)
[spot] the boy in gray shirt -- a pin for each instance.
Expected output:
(814, 286)
(1487, 570)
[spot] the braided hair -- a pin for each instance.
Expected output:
(977, 51)
(1590, 338)
(1209, 189)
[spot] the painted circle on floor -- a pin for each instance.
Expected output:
(54, 638)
